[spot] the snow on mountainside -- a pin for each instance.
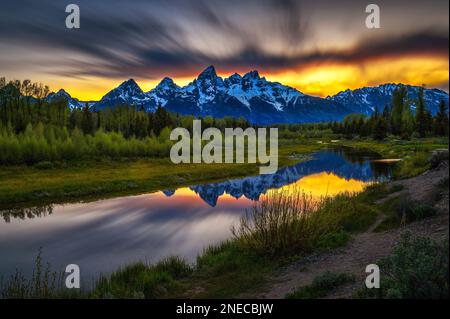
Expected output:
(254, 98)
(61, 94)
(366, 99)
(127, 93)
(249, 96)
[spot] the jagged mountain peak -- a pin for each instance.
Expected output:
(129, 84)
(366, 99)
(167, 85)
(208, 73)
(62, 92)
(234, 78)
(258, 100)
(252, 75)
(73, 103)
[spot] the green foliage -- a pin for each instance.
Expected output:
(397, 119)
(50, 144)
(417, 269)
(285, 224)
(413, 165)
(140, 280)
(321, 286)
(333, 240)
(44, 283)
(408, 210)
(440, 122)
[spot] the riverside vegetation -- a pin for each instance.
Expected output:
(50, 153)
(287, 226)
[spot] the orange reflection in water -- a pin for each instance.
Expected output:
(315, 185)
(325, 184)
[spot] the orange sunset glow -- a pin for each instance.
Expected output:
(319, 48)
(318, 80)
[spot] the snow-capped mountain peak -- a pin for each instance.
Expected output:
(258, 100)
(208, 74)
(166, 87)
(73, 103)
(365, 100)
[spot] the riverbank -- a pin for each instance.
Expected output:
(25, 186)
(369, 247)
(251, 265)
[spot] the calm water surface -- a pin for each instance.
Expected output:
(104, 235)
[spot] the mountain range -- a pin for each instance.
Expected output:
(252, 97)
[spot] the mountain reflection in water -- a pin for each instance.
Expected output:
(103, 235)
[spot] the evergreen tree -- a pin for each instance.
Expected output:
(441, 120)
(398, 105)
(87, 124)
(421, 116)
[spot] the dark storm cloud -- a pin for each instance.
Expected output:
(147, 39)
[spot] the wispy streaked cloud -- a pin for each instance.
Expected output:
(151, 39)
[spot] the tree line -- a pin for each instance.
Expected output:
(398, 119)
(32, 129)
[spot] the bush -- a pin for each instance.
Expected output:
(417, 269)
(44, 283)
(278, 224)
(321, 286)
(289, 222)
(437, 157)
(333, 240)
(143, 281)
(408, 210)
(413, 165)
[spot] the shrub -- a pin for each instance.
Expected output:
(417, 269)
(286, 223)
(140, 280)
(321, 286)
(437, 157)
(413, 165)
(408, 210)
(175, 266)
(44, 283)
(278, 224)
(333, 240)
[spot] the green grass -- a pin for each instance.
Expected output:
(25, 186)
(414, 153)
(321, 286)
(287, 227)
(47, 183)
(140, 280)
(241, 266)
(43, 283)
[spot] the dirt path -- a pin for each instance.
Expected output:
(366, 248)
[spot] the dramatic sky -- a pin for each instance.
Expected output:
(319, 47)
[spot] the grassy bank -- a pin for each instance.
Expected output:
(281, 228)
(22, 186)
(240, 265)
(28, 185)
